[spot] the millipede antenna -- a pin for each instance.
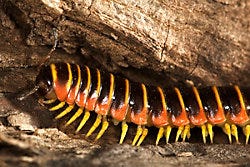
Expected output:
(55, 34)
(26, 94)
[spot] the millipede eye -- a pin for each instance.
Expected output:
(46, 90)
(43, 88)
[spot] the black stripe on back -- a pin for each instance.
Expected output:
(74, 75)
(173, 103)
(209, 102)
(136, 97)
(105, 84)
(93, 84)
(154, 101)
(190, 101)
(246, 96)
(84, 78)
(230, 100)
(119, 93)
(62, 72)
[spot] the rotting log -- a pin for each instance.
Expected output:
(206, 42)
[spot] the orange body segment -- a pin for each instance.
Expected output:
(102, 107)
(92, 99)
(141, 117)
(181, 119)
(74, 90)
(83, 94)
(200, 118)
(120, 113)
(91, 102)
(220, 117)
(61, 87)
(241, 118)
(162, 119)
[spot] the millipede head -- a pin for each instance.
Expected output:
(44, 83)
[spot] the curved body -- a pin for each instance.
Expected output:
(127, 101)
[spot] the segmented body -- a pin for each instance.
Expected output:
(127, 101)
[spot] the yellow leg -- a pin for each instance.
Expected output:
(234, 132)
(64, 112)
(144, 134)
(167, 133)
(159, 135)
(95, 125)
(105, 125)
(204, 133)
(138, 134)
(227, 129)
(124, 131)
(246, 131)
(84, 120)
(210, 132)
(48, 101)
(186, 133)
(58, 106)
(179, 131)
(76, 115)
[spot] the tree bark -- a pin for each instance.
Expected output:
(205, 42)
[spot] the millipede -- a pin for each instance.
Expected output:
(66, 86)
